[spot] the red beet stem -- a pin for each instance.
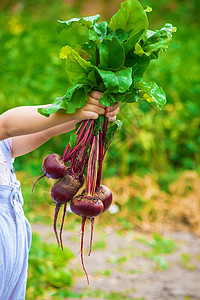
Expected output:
(81, 141)
(98, 183)
(91, 235)
(90, 169)
(64, 154)
(82, 238)
(84, 139)
(84, 157)
(96, 158)
(105, 127)
(87, 138)
(83, 125)
(61, 228)
(57, 208)
(79, 162)
(34, 186)
(101, 150)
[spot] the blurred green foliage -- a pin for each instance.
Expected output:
(49, 274)
(159, 245)
(163, 142)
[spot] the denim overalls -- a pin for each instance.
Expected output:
(15, 237)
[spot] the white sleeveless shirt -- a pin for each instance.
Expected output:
(4, 168)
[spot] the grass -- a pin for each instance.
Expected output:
(186, 263)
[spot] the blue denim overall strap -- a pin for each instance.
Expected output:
(16, 199)
(15, 237)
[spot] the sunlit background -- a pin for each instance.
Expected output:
(153, 164)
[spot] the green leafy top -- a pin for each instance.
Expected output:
(87, 21)
(113, 59)
(131, 17)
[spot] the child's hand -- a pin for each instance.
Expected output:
(92, 109)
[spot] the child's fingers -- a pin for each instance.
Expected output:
(94, 101)
(96, 94)
(111, 119)
(112, 113)
(90, 115)
(94, 108)
(94, 97)
(113, 107)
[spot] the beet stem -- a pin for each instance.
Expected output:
(68, 145)
(100, 160)
(92, 173)
(57, 208)
(64, 154)
(89, 169)
(101, 151)
(82, 238)
(81, 124)
(84, 123)
(34, 186)
(61, 228)
(80, 143)
(91, 236)
(96, 157)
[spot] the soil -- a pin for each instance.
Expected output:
(118, 263)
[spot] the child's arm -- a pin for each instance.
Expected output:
(24, 144)
(26, 119)
(27, 143)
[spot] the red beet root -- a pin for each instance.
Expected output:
(86, 206)
(105, 195)
(64, 189)
(54, 167)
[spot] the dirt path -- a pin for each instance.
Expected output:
(125, 263)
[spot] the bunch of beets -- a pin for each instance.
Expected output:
(84, 155)
(113, 60)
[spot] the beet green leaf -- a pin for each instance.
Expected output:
(112, 54)
(87, 21)
(117, 82)
(52, 108)
(73, 140)
(76, 67)
(98, 31)
(139, 65)
(98, 124)
(109, 99)
(119, 33)
(151, 92)
(157, 41)
(112, 131)
(129, 45)
(76, 98)
(131, 17)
